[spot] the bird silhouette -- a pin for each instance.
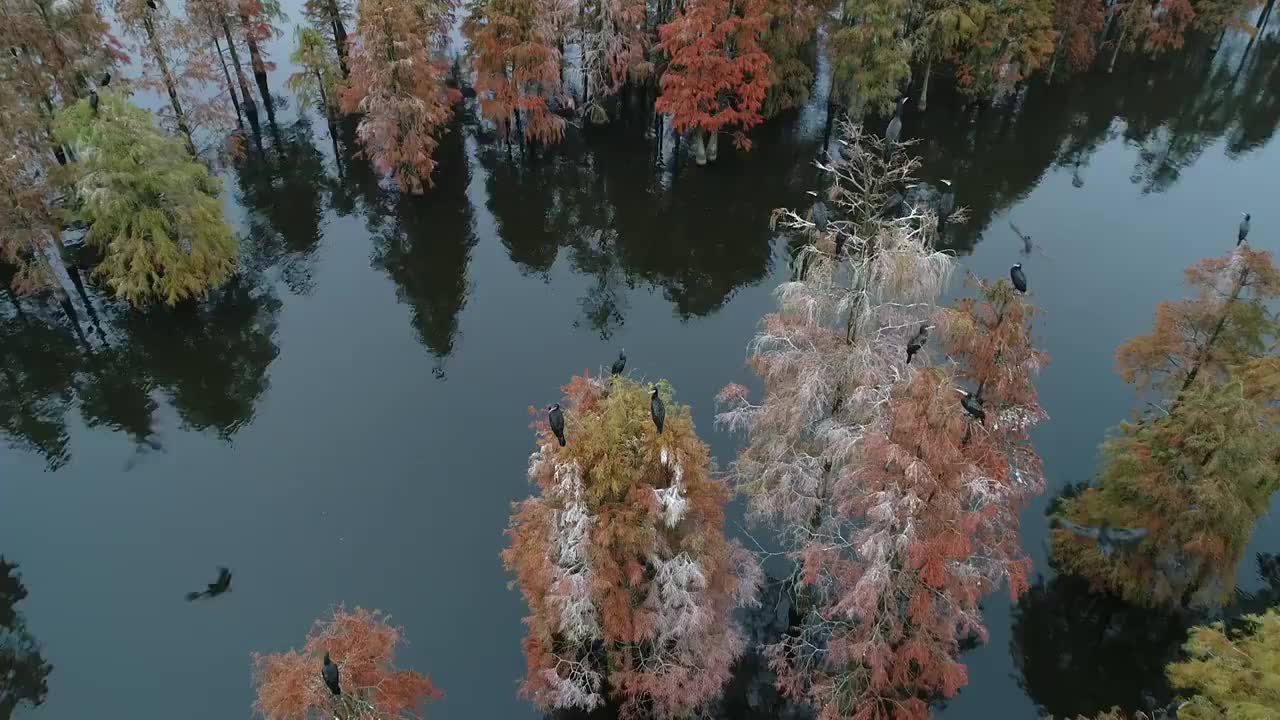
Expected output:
(556, 419)
(1108, 538)
(820, 214)
(1027, 245)
(93, 101)
(946, 203)
(1018, 277)
(917, 342)
(972, 404)
(152, 4)
(215, 588)
(894, 130)
(330, 674)
(1244, 229)
(620, 364)
(106, 80)
(657, 410)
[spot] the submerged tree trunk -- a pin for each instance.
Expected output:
(250, 107)
(924, 86)
(699, 146)
(713, 147)
(1116, 53)
(169, 85)
(339, 35)
(259, 67)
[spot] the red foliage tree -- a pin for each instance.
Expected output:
(1076, 22)
(362, 644)
(623, 561)
(517, 63)
(719, 72)
(397, 81)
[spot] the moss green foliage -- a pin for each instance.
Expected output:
(1234, 676)
(316, 81)
(153, 213)
(870, 61)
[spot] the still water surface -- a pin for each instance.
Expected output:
(348, 422)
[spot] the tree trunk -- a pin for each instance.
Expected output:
(259, 67)
(713, 147)
(1203, 356)
(699, 146)
(339, 35)
(250, 107)
(235, 100)
(1053, 63)
(169, 85)
(1116, 53)
(1265, 16)
(924, 86)
(324, 99)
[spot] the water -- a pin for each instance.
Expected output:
(349, 422)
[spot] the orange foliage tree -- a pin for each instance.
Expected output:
(1076, 22)
(1198, 471)
(398, 82)
(517, 63)
(719, 72)
(622, 558)
(362, 644)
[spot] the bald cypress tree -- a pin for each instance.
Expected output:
(153, 213)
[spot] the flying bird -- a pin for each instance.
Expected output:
(1108, 538)
(894, 130)
(93, 101)
(106, 80)
(215, 588)
(620, 364)
(972, 404)
(330, 674)
(1244, 229)
(556, 419)
(1018, 277)
(917, 341)
(657, 410)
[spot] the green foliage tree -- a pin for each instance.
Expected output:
(316, 81)
(153, 213)
(1198, 472)
(1234, 676)
(870, 57)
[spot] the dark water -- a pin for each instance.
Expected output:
(348, 422)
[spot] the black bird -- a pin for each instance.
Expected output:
(216, 588)
(821, 216)
(93, 101)
(13, 50)
(917, 341)
(620, 364)
(947, 203)
(1108, 538)
(1244, 229)
(556, 418)
(894, 130)
(152, 4)
(658, 410)
(1027, 245)
(106, 80)
(972, 404)
(1018, 277)
(330, 674)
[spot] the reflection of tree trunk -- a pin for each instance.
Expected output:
(169, 85)
(1116, 53)
(924, 86)
(657, 137)
(699, 146)
(324, 98)
(250, 107)
(713, 147)
(1265, 16)
(1053, 63)
(339, 35)
(259, 67)
(230, 88)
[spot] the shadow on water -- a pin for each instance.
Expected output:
(24, 673)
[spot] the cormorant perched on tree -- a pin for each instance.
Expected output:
(946, 203)
(93, 101)
(894, 130)
(1108, 537)
(620, 364)
(1244, 229)
(330, 674)
(821, 216)
(658, 410)
(972, 404)
(216, 588)
(917, 341)
(556, 419)
(1018, 277)
(106, 80)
